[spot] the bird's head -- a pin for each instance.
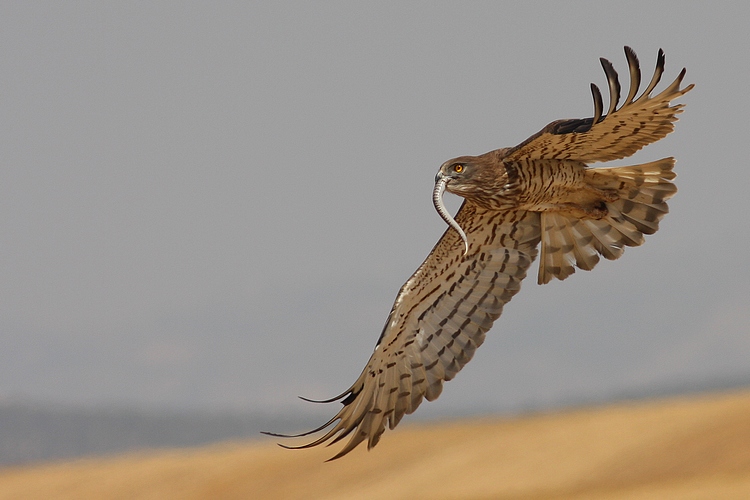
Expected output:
(460, 175)
(481, 179)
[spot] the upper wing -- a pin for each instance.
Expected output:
(439, 318)
(617, 134)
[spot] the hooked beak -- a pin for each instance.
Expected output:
(437, 200)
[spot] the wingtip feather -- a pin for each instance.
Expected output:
(598, 104)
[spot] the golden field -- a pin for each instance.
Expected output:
(679, 448)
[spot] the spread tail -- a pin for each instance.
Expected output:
(569, 241)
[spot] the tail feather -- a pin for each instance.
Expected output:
(631, 233)
(558, 250)
(568, 240)
(607, 241)
(586, 256)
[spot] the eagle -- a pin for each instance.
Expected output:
(539, 197)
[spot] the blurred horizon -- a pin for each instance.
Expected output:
(35, 433)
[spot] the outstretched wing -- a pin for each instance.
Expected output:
(439, 318)
(617, 134)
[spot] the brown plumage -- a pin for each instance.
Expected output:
(539, 191)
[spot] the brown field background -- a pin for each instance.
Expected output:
(680, 448)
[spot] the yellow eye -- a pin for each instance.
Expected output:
(458, 168)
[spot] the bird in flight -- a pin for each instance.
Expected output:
(540, 197)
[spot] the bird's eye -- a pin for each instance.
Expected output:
(458, 168)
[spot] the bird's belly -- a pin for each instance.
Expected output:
(552, 184)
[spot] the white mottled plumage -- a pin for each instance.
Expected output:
(539, 191)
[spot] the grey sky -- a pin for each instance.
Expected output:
(214, 204)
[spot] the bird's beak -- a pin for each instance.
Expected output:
(437, 201)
